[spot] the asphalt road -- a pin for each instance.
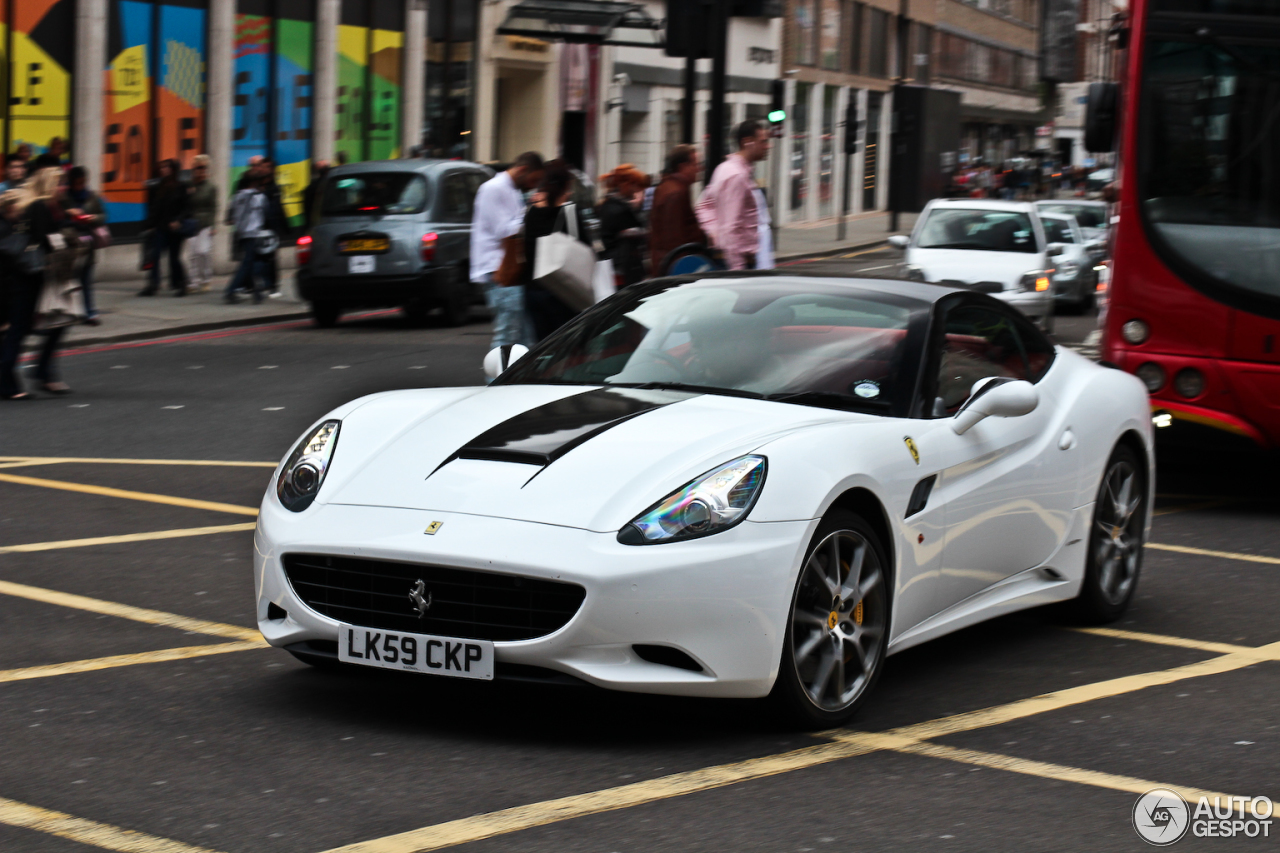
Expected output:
(127, 724)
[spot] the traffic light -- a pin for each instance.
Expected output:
(777, 111)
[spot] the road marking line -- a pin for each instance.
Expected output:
(114, 661)
(89, 460)
(1191, 507)
(1166, 640)
(26, 464)
(1205, 552)
(1042, 769)
(104, 835)
(127, 537)
(106, 491)
(879, 248)
(520, 818)
(127, 611)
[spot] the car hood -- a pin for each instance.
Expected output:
(573, 456)
(973, 265)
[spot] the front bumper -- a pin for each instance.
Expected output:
(1033, 304)
(722, 600)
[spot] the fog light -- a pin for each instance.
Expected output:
(1162, 420)
(1137, 332)
(1189, 382)
(1152, 375)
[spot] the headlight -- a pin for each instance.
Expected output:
(914, 273)
(710, 504)
(1135, 332)
(1067, 271)
(303, 474)
(1035, 281)
(1152, 375)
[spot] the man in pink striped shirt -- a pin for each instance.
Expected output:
(729, 210)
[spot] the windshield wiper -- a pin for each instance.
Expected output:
(830, 400)
(684, 386)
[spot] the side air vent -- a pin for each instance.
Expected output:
(920, 495)
(667, 656)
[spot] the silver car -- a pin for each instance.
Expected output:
(392, 233)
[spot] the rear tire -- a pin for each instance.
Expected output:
(837, 632)
(456, 311)
(325, 314)
(1116, 537)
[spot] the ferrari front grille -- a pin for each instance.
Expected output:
(459, 602)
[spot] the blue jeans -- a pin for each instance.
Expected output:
(251, 270)
(510, 321)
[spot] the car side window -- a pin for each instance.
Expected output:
(1058, 231)
(978, 341)
(455, 198)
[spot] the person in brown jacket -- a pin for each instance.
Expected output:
(672, 222)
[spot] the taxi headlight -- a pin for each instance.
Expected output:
(303, 474)
(712, 503)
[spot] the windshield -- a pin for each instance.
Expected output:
(1088, 215)
(1057, 230)
(1210, 182)
(970, 228)
(806, 342)
(374, 192)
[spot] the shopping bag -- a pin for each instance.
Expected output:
(61, 303)
(565, 266)
(603, 282)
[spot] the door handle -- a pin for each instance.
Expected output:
(1068, 439)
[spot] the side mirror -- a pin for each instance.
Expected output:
(1055, 249)
(899, 242)
(995, 397)
(500, 358)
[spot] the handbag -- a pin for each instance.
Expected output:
(603, 283)
(61, 303)
(101, 236)
(565, 266)
(508, 272)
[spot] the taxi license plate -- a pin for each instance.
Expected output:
(416, 652)
(368, 244)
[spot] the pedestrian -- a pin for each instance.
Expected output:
(732, 210)
(276, 223)
(311, 194)
(87, 213)
(202, 200)
(498, 214)
(15, 172)
(672, 222)
(30, 215)
(249, 214)
(166, 212)
(622, 229)
(546, 216)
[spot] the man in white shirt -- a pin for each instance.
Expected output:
(498, 214)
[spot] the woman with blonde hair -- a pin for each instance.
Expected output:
(29, 214)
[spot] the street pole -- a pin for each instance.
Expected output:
(690, 96)
(719, 79)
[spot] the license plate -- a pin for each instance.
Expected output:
(361, 263)
(369, 244)
(416, 652)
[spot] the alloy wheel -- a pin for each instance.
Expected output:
(1118, 533)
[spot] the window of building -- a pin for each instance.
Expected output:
(923, 51)
(855, 14)
(878, 49)
(827, 153)
(799, 166)
(963, 59)
(829, 38)
(806, 31)
(451, 27)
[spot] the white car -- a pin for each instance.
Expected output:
(995, 247)
(1091, 215)
(1073, 274)
(737, 485)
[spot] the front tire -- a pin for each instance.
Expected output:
(1116, 537)
(837, 632)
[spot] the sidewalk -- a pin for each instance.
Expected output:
(126, 316)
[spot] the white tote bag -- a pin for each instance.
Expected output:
(565, 266)
(603, 283)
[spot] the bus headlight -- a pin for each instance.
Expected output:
(1189, 382)
(1152, 375)
(1135, 332)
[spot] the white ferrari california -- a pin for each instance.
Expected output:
(732, 485)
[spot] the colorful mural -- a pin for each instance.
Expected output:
(370, 48)
(37, 75)
(154, 87)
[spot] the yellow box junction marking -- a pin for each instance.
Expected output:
(1205, 552)
(126, 611)
(102, 835)
(128, 537)
(92, 460)
(106, 491)
(94, 664)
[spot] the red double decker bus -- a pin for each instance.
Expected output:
(1193, 306)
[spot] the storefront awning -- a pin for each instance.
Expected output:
(583, 22)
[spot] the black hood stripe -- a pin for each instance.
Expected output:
(541, 436)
